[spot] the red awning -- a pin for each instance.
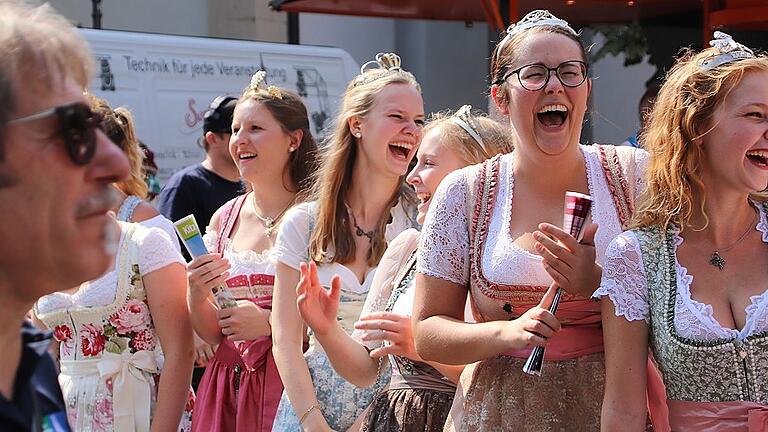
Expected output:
(575, 11)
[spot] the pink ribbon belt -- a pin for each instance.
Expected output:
(717, 416)
(581, 333)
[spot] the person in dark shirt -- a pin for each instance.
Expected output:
(202, 188)
(56, 171)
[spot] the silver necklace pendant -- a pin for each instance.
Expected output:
(269, 223)
(716, 260)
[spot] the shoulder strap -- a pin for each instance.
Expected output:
(227, 221)
(617, 182)
(312, 212)
(125, 213)
(476, 179)
(403, 279)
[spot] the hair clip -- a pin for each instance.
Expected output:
(259, 85)
(728, 50)
(463, 117)
(389, 62)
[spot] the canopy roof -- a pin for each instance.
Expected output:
(740, 14)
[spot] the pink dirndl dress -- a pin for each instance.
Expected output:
(241, 387)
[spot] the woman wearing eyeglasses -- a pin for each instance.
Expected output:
(491, 233)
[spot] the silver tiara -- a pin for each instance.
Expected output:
(390, 62)
(463, 117)
(728, 50)
(259, 85)
(536, 18)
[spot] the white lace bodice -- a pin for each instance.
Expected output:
(624, 282)
(292, 246)
(444, 247)
(242, 262)
(156, 251)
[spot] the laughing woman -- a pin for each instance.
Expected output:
(490, 234)
(275, 154)
(420, 394)
(361, 204)
(690, 280)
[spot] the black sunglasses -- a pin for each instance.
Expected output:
(78, 129)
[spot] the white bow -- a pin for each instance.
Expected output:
(131, 394)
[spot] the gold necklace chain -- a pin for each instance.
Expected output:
(270, 224)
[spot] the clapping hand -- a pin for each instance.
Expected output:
(392, 328)
(317, 306)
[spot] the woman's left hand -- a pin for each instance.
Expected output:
(247, 321)
(390, 327)
(570, 264)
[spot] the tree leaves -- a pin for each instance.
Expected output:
(628, 39)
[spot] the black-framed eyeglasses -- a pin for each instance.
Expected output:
(534, 77)
(78, 129)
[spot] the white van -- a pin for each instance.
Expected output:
(168, 81)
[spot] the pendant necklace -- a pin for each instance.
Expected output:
(270, 224)
(717, 260)
(359, 231)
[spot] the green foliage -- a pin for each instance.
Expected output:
(622, 38)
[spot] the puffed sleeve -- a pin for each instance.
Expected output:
(156, 249)
(624, 280)
(444, 245)
(292, 243)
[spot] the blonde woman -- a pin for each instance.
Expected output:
(119, 126)
(361, 204)
(690, 279)
(420, 393)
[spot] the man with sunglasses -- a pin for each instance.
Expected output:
(202, 188)
(56, 171)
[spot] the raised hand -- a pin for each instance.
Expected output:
(392, 328)
(570, 264)
(204, 273)
(318, 307)
(536, 325)
(247, 321)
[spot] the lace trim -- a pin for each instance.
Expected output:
(127, 253)
(624, 280)
(617, 183)
(696, 320)
(443, 250)
(762, 226)
(263, 257)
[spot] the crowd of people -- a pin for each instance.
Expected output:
(398, 275)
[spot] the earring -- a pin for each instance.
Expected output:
(358, 135)
(291, 149)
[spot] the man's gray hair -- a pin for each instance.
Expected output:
(39, 50)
